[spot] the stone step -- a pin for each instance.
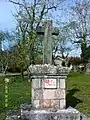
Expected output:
(65, 114)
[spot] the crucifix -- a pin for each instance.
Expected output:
(47, 31)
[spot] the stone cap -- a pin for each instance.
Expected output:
(36, 76)
(48, 69)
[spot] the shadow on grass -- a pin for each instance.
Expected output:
(71, 100)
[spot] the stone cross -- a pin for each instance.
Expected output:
(47, 31)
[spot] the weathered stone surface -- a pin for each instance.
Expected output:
(49, 94)
(71, 114)
(62, 83)
(68, 114)
(26, 106)
(47, 30)
(36, 83)
(48, 69)
(62, 104)
(47, 46)
(48, 84)
(54, 94)
(36, 104)
(41, 30)
(60, 94)
(45, 104)
(38, 94)
(13, 115)
(33, 93)
(54, 103)
(49, 76)
(58, 83)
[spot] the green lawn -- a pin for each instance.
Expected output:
(78, 92)
(19, 92)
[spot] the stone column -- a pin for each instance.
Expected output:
(47, 46)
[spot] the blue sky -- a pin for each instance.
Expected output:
(7, 21)
(6, 17)
(7, 8)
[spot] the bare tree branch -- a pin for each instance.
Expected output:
(53, 7)
(40, 17)
(17, 3)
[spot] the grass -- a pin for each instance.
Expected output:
(78, 92)
(18, 93)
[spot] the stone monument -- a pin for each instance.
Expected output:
(48, 86)
(47, 30)
(48, 81)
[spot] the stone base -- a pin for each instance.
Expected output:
(66, 114)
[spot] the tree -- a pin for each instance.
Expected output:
(5, 39)
(81, 24)
(75, 61)
(29, 17)
(1, 39)
(62, 44)
(86, 54)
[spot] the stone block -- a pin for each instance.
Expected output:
(49, 94)
(36, 83)
(38, 94)
(48, 69)
(54, 103)
(62, 83)
(33, 93)
(60, 94)
(58, 83)
(45, 103)
(62, 104)
(36, 103)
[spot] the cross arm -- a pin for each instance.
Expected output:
(41, 30)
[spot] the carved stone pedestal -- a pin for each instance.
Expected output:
(48, 86)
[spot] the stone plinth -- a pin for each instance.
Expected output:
(48, 86)
(68, 114)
